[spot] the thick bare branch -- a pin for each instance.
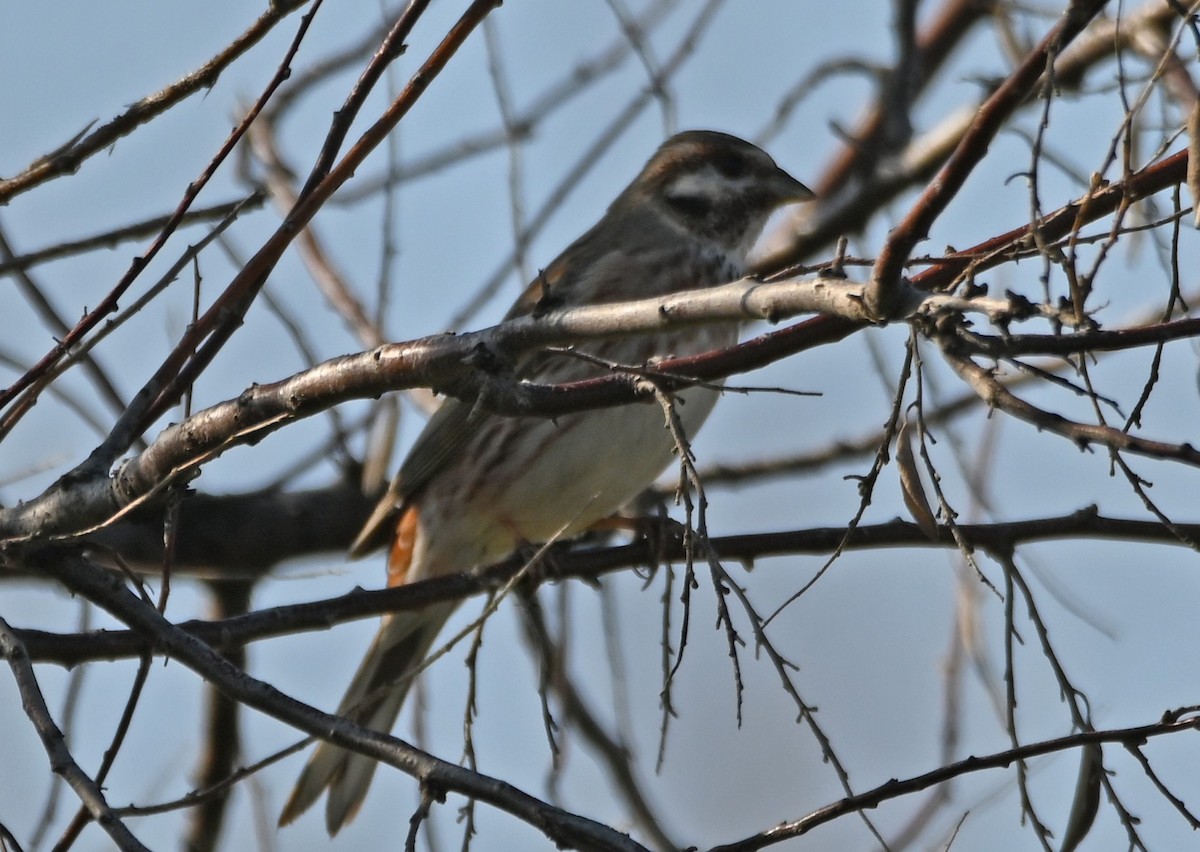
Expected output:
(78, 504)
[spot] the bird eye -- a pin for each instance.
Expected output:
(731, 165)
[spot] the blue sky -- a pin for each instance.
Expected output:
(871, 638)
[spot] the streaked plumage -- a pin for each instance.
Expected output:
(475, 486)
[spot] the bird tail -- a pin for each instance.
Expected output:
(373, 700)
(377, 691)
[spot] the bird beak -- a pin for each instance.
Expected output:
(788, 189)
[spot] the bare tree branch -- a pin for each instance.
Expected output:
(72, 649)
(61, 761)
(107, 592)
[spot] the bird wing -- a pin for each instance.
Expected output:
(448, 428)
(600, 251)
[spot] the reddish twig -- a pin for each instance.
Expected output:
(883, 293)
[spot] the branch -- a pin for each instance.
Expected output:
(1099, 202)
(208, 334)
(1171, 723)
(574, 82)
(562, 563)
(869, 142)
(220, 535)
(136, 230)
(1088, 340)
(994, 393)
(884, 296)
(222, 743)
(67, 159)
(79, 504)
(846, 204)
(61, 762)
(108, 304)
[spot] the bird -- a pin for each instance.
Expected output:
(478, 486)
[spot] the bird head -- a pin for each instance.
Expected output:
(715, 186)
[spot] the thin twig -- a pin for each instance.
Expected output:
(61, 761)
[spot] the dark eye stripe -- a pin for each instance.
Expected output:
(731, 165)
(690, 206)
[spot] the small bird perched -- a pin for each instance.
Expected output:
(476, 486)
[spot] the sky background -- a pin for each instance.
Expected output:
(871, 638)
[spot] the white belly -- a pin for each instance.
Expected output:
(552, 478)
(607, 459)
